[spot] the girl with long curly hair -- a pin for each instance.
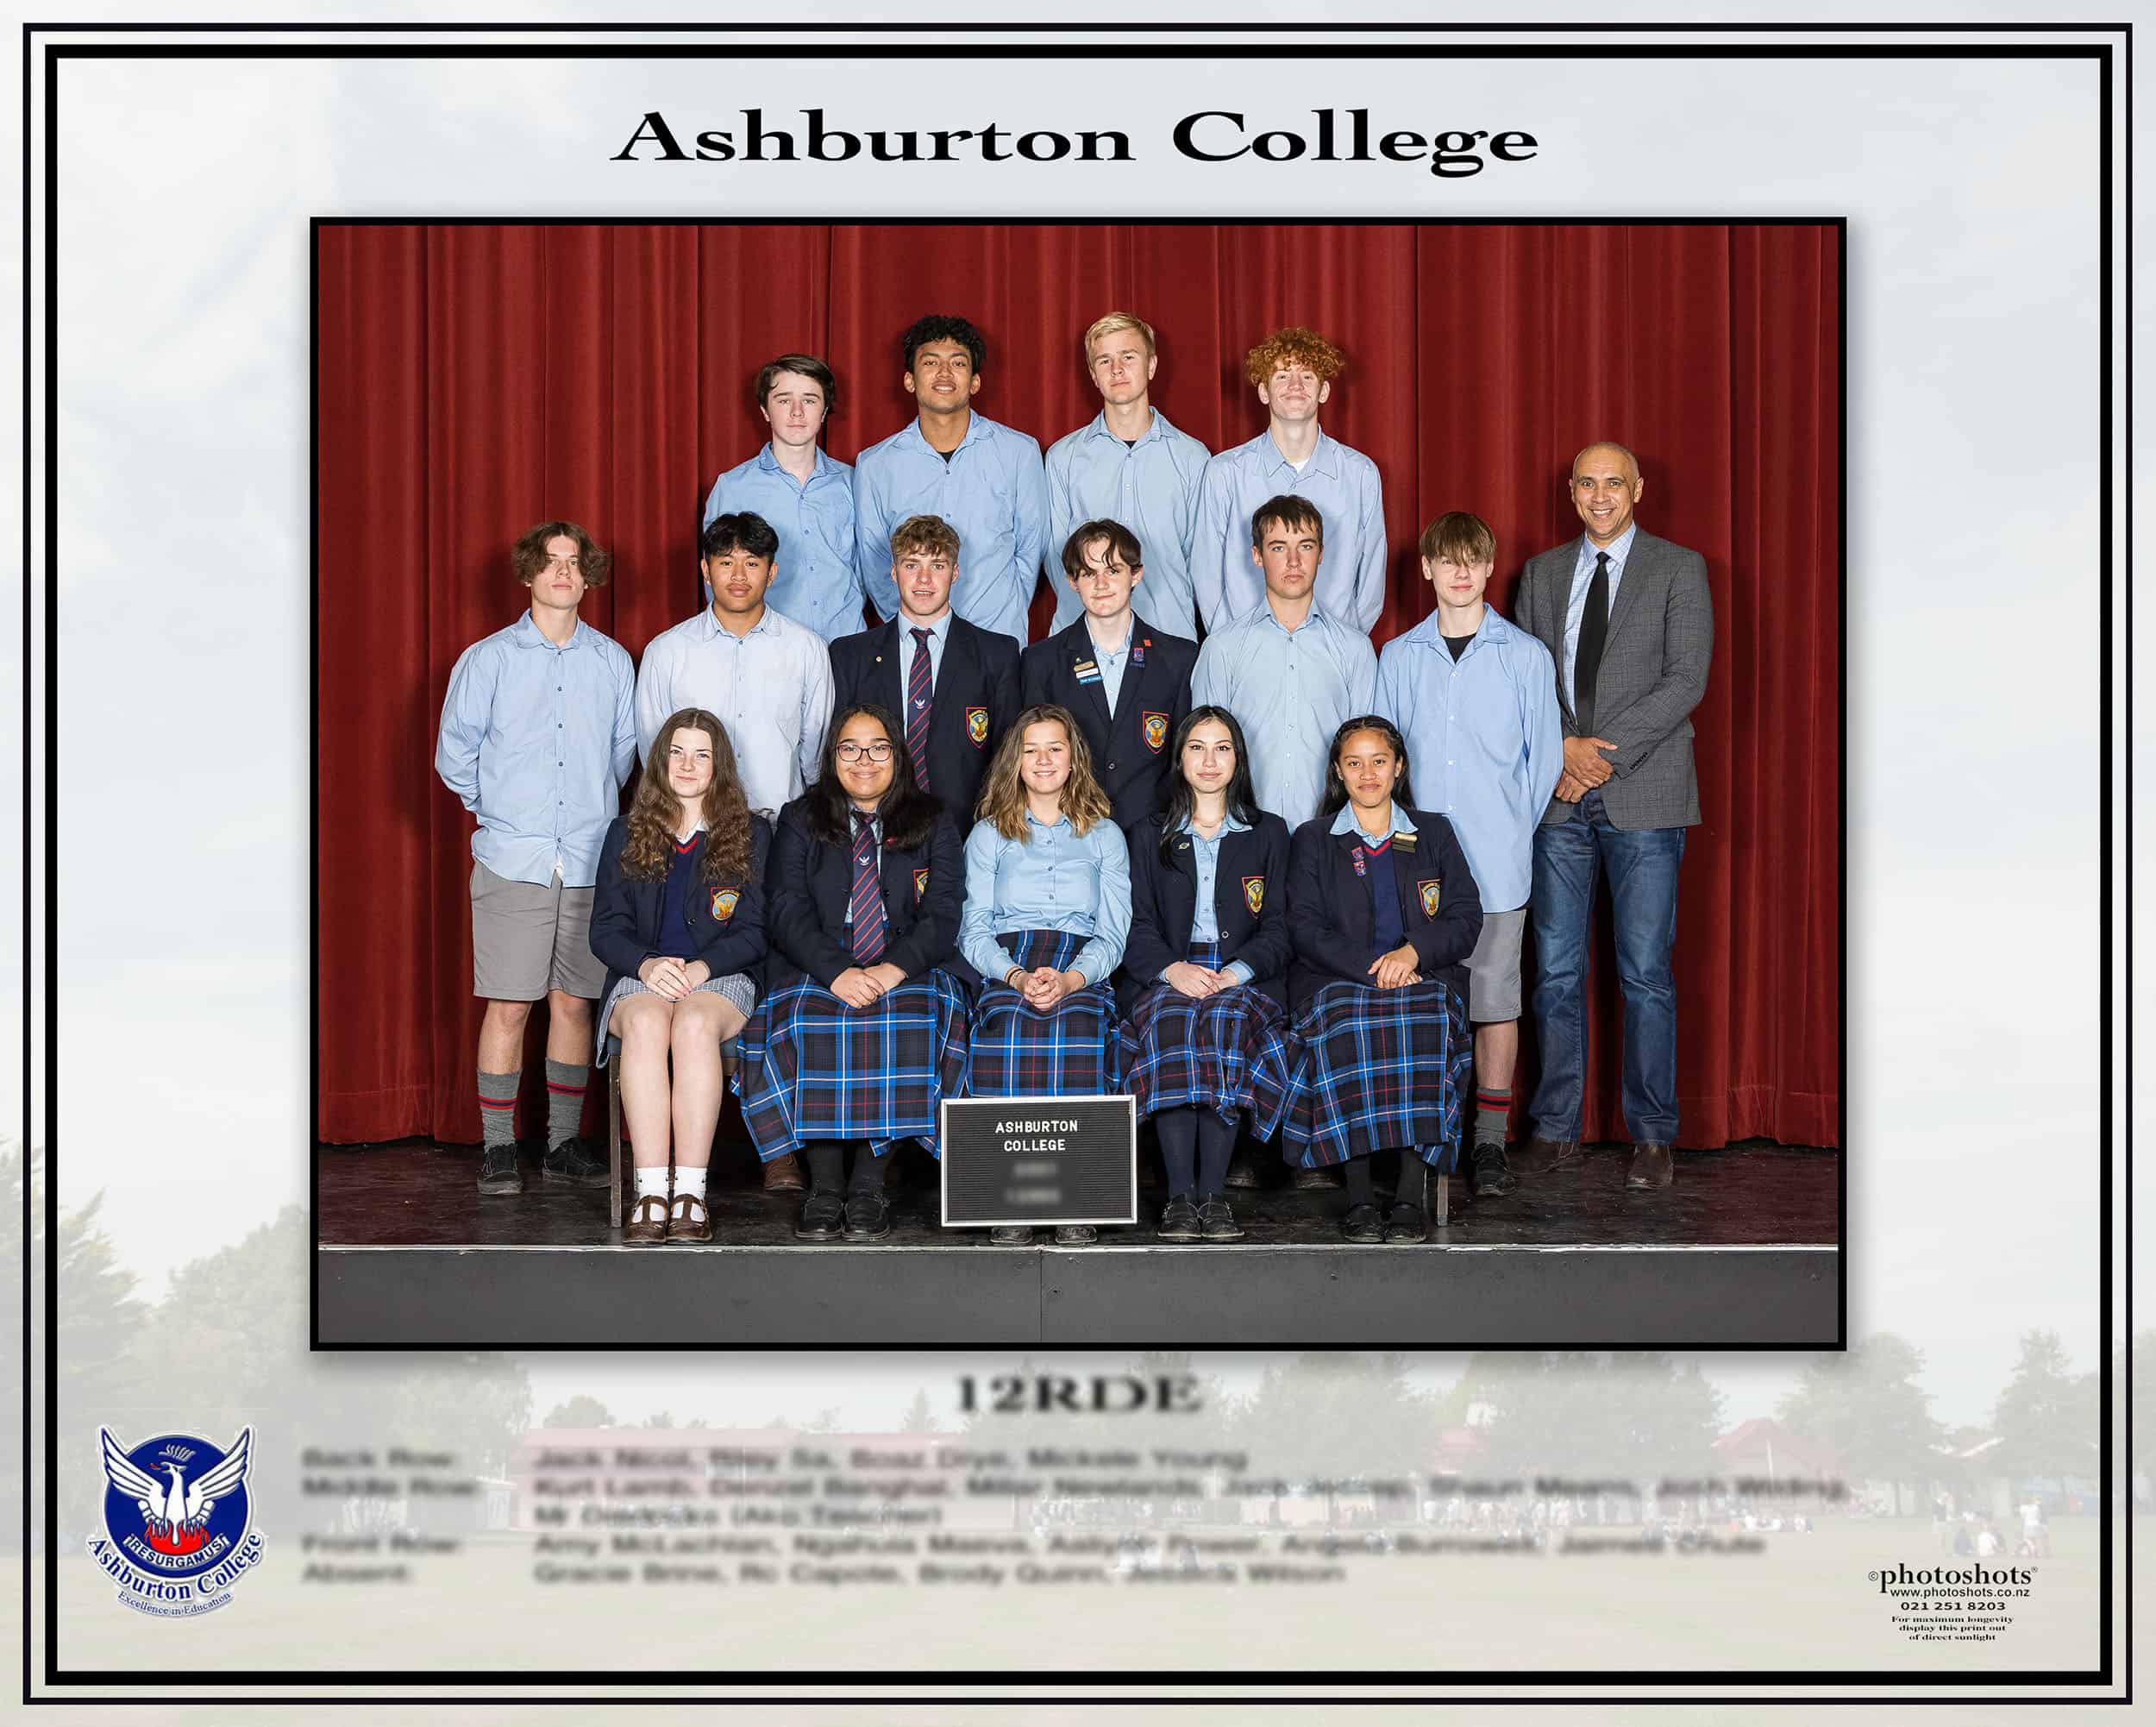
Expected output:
(678, 919)
(1048, 908)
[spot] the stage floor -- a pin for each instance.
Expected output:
(1741, 1251)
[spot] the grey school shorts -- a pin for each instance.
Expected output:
(1493, 970)
(527, 940)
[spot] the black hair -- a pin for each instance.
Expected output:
(1241, 795)
(908, 813)
(940, 327)
(1336, 796)
(745, 533)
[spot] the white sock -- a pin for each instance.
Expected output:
(650, 1182)
(688, 1181)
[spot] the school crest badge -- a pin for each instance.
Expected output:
(723, 899)
(977, 726)
(920, 887)
(177, 1531)
(1254, 894)
(1429, 892)
(1156, 729)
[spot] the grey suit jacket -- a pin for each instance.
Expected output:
(1653, 673)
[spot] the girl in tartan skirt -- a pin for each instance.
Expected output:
(861, 1034)
(1205, 984)
(1383, 914)
(677, 917)
(1048, 908)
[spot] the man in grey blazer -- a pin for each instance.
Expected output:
(1627, 618)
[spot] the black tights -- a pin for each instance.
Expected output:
(1413, 1189)
(1195, 1144)
(827, 1165)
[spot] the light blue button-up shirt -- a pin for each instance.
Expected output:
(770, 689)
(1576, 604)
(1290, 690)
(1113, 663)
(1205, 918)
(938, 639)
(536, 741)
(1056, 878)
(1485, 741)
(1151, 487)
(1347, 821)
(993, 491)
(815, 582)
(1341, 482)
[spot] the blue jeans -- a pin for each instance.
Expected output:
(1643, 865)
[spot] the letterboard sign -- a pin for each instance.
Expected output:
(1039, 1160)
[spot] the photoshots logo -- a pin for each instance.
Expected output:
(177, 1535)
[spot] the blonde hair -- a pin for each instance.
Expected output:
(1108, 326)
(1003, 790)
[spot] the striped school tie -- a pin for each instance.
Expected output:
(919, 707)
(865, 910)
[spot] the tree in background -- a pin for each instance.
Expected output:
(2047, 1417)
(919, 1416)
(1867, 1408)
(578, 1411)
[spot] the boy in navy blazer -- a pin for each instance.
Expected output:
(1128, 684)
(954, 688)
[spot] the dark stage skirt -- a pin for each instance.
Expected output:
(1071, 1051)
(813, 1068)
(1228, 1053)
(1380, 1068)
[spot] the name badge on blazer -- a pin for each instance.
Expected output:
(723, 899)
(921, 885)
(1155, 725)
(1086, 671)
(977, 726)
(1404, 842)
(1254, 894)
(1429, 892)
(1138, 654)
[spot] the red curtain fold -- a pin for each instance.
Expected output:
(474, 380)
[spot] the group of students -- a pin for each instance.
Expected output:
(1198, 875)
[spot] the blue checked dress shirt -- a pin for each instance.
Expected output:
(1575, 599)
(1290, 690)
(1341, 482)
(1151, 487)
(815, 582)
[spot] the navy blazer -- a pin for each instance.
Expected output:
(1164, 901)
(1130, 749)
(1332, 911)
(809, 885)
(979, 675)
(726, 918)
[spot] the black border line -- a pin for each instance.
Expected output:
(2103, 53)
(1839, 226)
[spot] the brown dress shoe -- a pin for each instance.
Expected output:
(1538, 1156)
(1650, 1166)
(646, 1222)
(690, 1220)
(783, 1175)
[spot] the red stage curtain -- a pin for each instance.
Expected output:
(475, 379)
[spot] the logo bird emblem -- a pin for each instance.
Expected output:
(175, 1512)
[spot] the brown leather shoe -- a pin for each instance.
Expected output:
(646, 1222)
(783, 1175)
(690, 1220)
(1538, 1156)
(1650, 1166)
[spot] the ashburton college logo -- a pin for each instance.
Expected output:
(177, 1518)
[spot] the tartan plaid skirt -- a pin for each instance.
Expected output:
(813, 1068)
(1230, 1052)
(1071, 1050)
(1380, 1068)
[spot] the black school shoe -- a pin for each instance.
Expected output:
(1218, 1221)
(1011, 1235)
(1076, 1234)
(499, 1172)
(569, 1164)
(1491, 1175)
(1408, 1225)
(1362, 1224)
(1178, 1221)
(1242, 1172)
(868, 1214)
(822, 1219)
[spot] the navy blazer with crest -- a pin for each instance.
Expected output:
(1165, 902)
(726, 918)
(1332, 911)
(810, 884)
(979, 675)
(1131, 759)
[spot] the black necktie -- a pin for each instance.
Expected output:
(1587, 660)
